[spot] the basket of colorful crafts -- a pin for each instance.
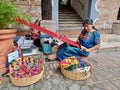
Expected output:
(75, 68)
(25, 71)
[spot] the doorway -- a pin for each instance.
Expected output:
(46, 9)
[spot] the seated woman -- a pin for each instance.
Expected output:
(89, 40)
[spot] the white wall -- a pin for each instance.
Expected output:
(55, 4)
(94, 13)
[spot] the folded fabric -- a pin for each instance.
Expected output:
(68, 62)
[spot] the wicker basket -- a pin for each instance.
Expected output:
(26, 81)
(75, 75)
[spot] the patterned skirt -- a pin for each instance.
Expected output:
(65, 51)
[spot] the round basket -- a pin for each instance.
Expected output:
(26, 81)
(75, 75)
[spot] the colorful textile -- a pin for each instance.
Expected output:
(87, 40)
(68, 62)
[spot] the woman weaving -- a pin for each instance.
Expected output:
(89, 40)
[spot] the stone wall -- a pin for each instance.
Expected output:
(108, 10)
(29, 7)
(33, 9)
(81, 10)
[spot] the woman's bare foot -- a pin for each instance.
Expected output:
(52, 56)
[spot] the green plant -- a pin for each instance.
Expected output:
(8, 13)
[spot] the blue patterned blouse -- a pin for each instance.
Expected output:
(89, 39)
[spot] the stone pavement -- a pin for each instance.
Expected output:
(105, 76)
(105, 71)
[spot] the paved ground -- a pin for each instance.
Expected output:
(105, 76)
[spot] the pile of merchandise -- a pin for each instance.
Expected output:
(75, 64)
(26, 67)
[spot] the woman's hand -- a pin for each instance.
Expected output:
(94, 47)
(84, 48)
(77, 41)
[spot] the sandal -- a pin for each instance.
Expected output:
(52, 56)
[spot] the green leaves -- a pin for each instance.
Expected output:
(8, 14)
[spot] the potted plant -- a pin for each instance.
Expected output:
(8, 14)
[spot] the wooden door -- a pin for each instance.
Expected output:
(118, 16)
(46, 9)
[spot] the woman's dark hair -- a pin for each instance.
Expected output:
(89, 22)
